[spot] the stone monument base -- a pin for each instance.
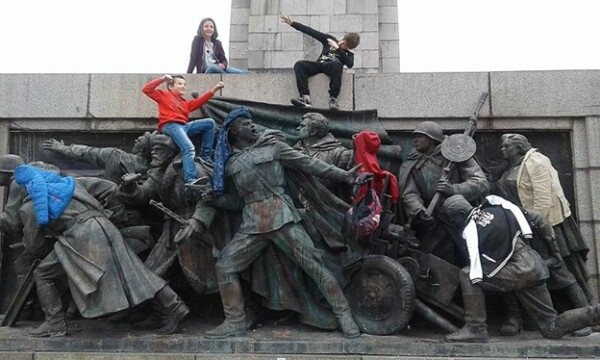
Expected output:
(99, 339)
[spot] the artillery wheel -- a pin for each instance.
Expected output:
(381, 295)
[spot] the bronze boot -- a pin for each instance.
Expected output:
(347, 325)
(513, 324)
(577, 298)
(233, 307)
(572, 320)
(156, 320)
(51, 304)
(174, 310)
(475, 329)
(469, 334)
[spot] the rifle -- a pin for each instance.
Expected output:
(129, 178)
(206, 237)
(129, 181)
(20, 297)
(170, 213)
(469, 132)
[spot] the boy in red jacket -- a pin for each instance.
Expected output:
(173, 113)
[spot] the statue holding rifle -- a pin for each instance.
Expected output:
(438, 167)
(183, 234)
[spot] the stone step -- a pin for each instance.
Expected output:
(100, 340)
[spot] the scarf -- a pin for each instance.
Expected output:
(223, 148)
(366, 145)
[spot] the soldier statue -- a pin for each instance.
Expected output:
(255, 165)
(532, 182)
(420, 178)
(103, 274)
(114, 161)
(315, 140)
(165, 184)
(10, 221)
(494, 237)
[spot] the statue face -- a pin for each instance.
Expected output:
(509, 150)
(422, 142)
(161, 156)
(304, 129)
(140, 144)
(244, 130)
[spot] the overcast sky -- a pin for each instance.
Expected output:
(151, 36)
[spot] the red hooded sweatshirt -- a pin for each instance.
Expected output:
(366, 145)
(171, 107)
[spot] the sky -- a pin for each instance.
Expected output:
(151, 36)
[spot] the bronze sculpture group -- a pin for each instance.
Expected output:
(263, 204)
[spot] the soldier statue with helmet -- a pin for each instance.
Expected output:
(10, 221)
(420, 178)
(9, 218)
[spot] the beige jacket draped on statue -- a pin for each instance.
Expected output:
(539, 188)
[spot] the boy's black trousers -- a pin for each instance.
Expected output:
(305, 69)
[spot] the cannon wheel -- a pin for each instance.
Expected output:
(381, 295)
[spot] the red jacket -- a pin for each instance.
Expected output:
(366, 145)
(173, 108)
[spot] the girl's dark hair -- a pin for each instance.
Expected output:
(215, 34)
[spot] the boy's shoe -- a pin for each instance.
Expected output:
(200, 181)
(333, 103)
(198, 184)
(302, 101)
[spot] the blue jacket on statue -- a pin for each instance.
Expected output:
(50, 192)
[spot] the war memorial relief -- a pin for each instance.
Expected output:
(320, 206)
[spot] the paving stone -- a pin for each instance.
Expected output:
(6, 355)
(319, 7)
(293, 7)
(241, 4)
(432, 95)
(44, 95)
(118, 96)
(362, 7)
(339, 6)
(280, 87)
(545, 93)
(344, 23)
(109, 356)
(370, 22)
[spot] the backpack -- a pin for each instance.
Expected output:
(364, 217)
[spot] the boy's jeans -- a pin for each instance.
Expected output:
(181, 134)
